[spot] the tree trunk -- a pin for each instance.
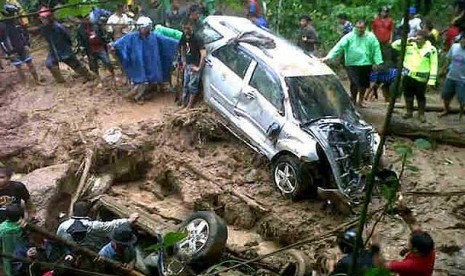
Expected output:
(412, 128)
(150, 223)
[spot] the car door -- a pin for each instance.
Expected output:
(261, 105)
(224, 76)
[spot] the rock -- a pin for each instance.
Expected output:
(51, 189)
(251, 176)
(100, 185)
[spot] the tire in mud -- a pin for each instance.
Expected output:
(300, 181)
(215, 231)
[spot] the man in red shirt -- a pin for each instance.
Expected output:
(92, 37)
(420, 254)
(383, 28)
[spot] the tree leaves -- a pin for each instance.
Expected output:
(75, 11)
(376, 271)
(423, 144)
(170, 239)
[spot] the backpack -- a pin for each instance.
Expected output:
(78, 231)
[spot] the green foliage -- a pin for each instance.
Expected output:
(423, 144)
(170, 239)
(403, 150)
(378, 272)
(75, 11)
(285, 19)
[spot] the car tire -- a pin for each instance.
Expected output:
(291, 179)
(201, 225)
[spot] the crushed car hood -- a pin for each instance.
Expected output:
(348, 148)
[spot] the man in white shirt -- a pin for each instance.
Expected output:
(414, 22)
(118, 23)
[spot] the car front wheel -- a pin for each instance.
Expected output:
(290, 178)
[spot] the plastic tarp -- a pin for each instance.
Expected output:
(146, 59)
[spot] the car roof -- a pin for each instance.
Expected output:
(286, 58)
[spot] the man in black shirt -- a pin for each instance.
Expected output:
(346, 243)
(308, 39)
(12, 192)
(193, 55)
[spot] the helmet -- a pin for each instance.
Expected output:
(144, 22)
(412, 10)
(45, 12)
(346, 240)
(10, 10)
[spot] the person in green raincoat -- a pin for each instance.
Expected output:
(208, 7)
(11, 235)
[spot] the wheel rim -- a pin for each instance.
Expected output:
(285, 178)
(197, 236)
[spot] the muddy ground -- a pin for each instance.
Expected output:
(172, 162)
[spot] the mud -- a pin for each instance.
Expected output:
(170, 162)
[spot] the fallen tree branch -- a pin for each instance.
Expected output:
(249, 201)
(82, 181)
(84, 251)
(246, 199)
(440, 194)
(145, 221)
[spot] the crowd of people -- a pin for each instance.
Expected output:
(146, 42)
(369, 56)
(23, 250)
(370, 59)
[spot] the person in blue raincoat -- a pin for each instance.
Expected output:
(146, 57)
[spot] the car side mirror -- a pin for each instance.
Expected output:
(273, 130)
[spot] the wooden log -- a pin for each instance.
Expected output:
(246, 199)
(412, 128)
(85, 251)
(438, 194)
(147, 222)
(82, 181)
(249, 201)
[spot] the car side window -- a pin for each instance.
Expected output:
(234, 59)
(268, 86)
(208, 34)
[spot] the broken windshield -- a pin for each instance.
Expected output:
(315, 97)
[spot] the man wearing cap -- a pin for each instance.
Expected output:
(60, 47)
(121, 248)
(80, 228)
(414, 22)
(14, 41)
(308, 39)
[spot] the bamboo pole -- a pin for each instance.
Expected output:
(379, 152)
(52, 9)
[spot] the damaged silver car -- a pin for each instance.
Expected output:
(287, 106)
